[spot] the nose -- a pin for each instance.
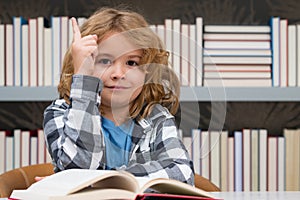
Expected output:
(118, 71)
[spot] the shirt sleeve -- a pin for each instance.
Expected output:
(166, 157)
(72, 131)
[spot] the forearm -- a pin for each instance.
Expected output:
(73, 131)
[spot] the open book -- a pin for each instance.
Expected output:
(78, 184)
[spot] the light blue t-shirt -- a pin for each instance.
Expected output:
(117, 141)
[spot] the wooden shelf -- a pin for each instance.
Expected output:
(188, 94)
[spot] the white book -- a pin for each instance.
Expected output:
(17, 29)
(237, 44)
(196, 148)
(2, 151)
(33, 150)
(204, 154)
(33, 58)
(275, 26)
(192, 54)
(56, 50)
(176, 47)
(238, 161)
(236, 52)
(224, 161)
(25, 55)
(187, 141)
(236, 36)
(169, 38)
(2, 54)
(40, 50)
(48, 57)
(9, 55)
(237, 60)
(254, 160)
(292, 56)
(153, 28)
(281, 164)
(41, 146)
(246, 160)
(263, 134)
(238, 82)
(240, 75)
(230, 164)
(298, 53)
(237, 28)
(9, 159)
(25, 148)
(17, 148)
(81, 20)
(237, 68)
(184, 55)
(272, 164)
(160, 29)
(283, 52)
(199, 50)
(215, 157)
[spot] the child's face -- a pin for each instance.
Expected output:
(118, 64)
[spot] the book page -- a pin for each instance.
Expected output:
(171, 186)
(72, 180)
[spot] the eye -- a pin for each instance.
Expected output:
(132, 63)
(105, 61)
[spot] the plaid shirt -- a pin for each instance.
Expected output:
(74, 137)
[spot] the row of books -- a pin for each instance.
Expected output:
(32, 50)
(247, 160)
(22, 148)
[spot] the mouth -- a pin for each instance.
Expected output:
(117, 87)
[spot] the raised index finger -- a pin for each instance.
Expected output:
(76, 31)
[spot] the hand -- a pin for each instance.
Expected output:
(38, 178)
(84, 51)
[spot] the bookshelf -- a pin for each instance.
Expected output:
(188, 94)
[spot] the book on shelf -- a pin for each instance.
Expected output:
(272, 164)
(275, 34)
(283, 38)
(292, 160)
(25, 55)
(237, 60)
(18, 21)
(298, 51)
(236, 36)
(238, 161)
(107, 184)
(262, 148)
(237, 68)
(236, 52)
(199, 51)
(2, 151)
(237, 74)
(292, 56)
(33, 52)
(192, 59)
(9, 55)
(237, 29)
(233, 44)
(2, 54)
(238, 82)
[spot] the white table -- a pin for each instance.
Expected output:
(286, 195)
